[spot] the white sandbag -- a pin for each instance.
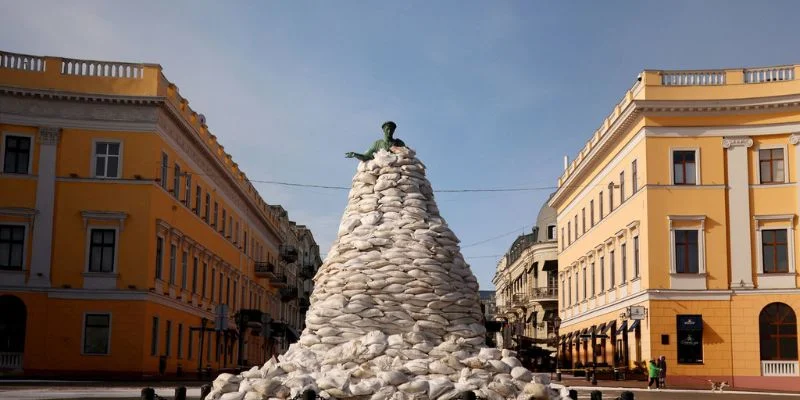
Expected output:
(365, 387)
(227, 383)
(511, 362)
(521, 374)
(392, 378)
(488, 353)
(416, 386)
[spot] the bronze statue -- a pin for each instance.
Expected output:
(386, 143)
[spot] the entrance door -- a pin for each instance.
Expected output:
(12, 332)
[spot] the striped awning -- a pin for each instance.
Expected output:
(634, 325)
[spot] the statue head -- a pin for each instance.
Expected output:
(388, 128)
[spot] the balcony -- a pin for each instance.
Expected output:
(288, 253)
(10, 361)
(779, 368)
(541, 294)
(275, 275)
(307, 272)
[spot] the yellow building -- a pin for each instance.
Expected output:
(129, 239)
(677, 223)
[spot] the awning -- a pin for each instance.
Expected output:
(532, 318)
(550, 265)
(623, 327)
(601, 328)
(548, 315)
(634, 325)
(609, 325)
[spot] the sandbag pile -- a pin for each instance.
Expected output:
(395, 311)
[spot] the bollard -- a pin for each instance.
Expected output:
(573, 394)
(180, 393)
(470, 395)
(148, 394)
(309, 395)
(596, 395)
(204, 391)
(626, 395)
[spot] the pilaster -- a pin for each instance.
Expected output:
(739, 211)
(45, 202)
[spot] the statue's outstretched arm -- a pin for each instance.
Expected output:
(368, 155)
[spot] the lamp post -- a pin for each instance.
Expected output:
(556, 325)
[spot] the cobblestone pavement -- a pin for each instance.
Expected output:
(678, 394)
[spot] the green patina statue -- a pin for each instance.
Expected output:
(386, 143)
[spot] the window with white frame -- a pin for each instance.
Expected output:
(551, 232)
(12, 247)
(102, 248)
(684, 167)
(775, 236)
(176, 184)
(17, 154)
(602, 274)
(107, 159)
(771, 165)
(164, 169)
(96, 333)
(173, 250)
(687, 251)
(612, 269)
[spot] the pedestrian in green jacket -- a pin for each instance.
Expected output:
(653, 372)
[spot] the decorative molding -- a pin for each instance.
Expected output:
(118, 216)
(633, 225)
(736, 141)
(620, 233)
(19, 212)
(774, 217)
(49, 135)
(794, 138)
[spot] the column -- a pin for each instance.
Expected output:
(45, 202)
(739, 211)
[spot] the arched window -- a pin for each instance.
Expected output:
(778, 332)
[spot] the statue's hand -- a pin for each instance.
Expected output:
(350, 154)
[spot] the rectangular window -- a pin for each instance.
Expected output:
(610, 197)
(176, 184)
(624, 263)
(234, 295)
(213, 282)
(690, 339)
(164, 169)
(17, 154)
(634, 176)
(230, 226)
(569, 292)
(584, 283)
(172, 260)
(224, 219)
(569, 232)
(600, 205)
(159, 257)
(576, 227)
(563, 293)
(194, 275)
(12, 247)
(686, 252)
(583, 219)
(245, 242)
(187, 195)
(612, 269)
(602, 275)
(774, 251)
(227, 290)
(198, 197)
(207, 212)
(101, 250)
(154, 338)
(593, 280)
(236, 233)
(180, 340)
(771, 165)
(591, 212)
(216, 208)
(96, 333)
(635, 256)
(621, 187)
(563, 239)
(205, 275)
(684, 167)
(106, 160)
(184, 269)
(219, 294)
(551, 232)
(168, 342)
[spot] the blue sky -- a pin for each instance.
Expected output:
(490, 94)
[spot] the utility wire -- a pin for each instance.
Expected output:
(496, 237)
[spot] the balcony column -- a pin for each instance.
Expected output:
(45, 201)
(795, 140)
(739, 211)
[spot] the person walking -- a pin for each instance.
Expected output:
(662, 373)
(653, 373)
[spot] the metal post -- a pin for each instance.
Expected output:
(180, 393)
(148, 394)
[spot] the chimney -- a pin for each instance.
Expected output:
(566, 162)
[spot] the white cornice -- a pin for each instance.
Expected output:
(87, 97)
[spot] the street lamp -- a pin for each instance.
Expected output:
(556, 325)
